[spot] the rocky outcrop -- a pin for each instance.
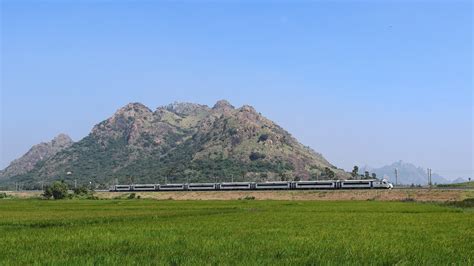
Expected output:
(37, 153)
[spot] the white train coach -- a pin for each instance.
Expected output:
(275, 185)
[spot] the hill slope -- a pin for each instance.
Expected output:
(183, 142)
(37, 153)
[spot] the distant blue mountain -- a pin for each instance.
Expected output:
(407, 174)
(459, 180)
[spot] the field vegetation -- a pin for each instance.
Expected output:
(458, 185)
(250, 232)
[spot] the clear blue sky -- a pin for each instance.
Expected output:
(367, 82)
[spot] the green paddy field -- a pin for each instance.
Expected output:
(245, 232)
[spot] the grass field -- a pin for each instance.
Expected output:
(234, 232)
(423, 195)
(458, 185)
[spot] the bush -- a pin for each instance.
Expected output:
(408, 200)
(131, 196)
(467, 203)
(92, 197)
(48, 192)
(263, 138)
(59, 190)
(83, 191)
(3, 196)
(233, 131)
(256, 156)
(328, 173)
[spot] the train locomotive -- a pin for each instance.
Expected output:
(275, 185)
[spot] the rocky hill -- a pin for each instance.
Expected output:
(37, 153)
(183, 142)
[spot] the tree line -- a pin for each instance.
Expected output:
(366, 175)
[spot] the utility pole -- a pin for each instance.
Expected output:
(429, 177)
(428, 172)
(431, 180)
(396, 176)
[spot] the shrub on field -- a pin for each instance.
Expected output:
(467, 203)
(4, 196)
(84, 192)
(58, 190)
(249, 198)
(47, 193)
(92, 197)
(408, 200)
(131, 196)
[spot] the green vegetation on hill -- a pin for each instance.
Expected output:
(246, 232)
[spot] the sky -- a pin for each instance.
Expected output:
(362, 82)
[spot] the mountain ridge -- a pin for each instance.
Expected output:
(35, 154)
(408, 174)
(184, 142)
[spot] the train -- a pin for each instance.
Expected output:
(274, 185)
